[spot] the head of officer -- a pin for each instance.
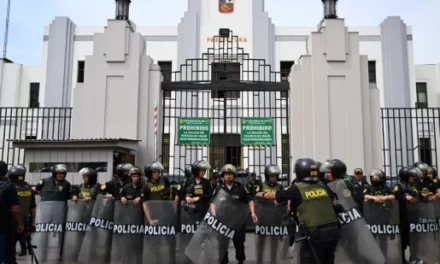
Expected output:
(152, 171)
(416, 173)
(432, 173)
(321, 175)
(135, 174)
(306, 170)
(199, 168)
(423, 167)
(378, 178)
(229, 172)
(334, 169)
(59, 172)
(90, 176)
(271, 173)
(17, 174)
(188, 171)
(127, 167)
(120, 171)
(405, 176)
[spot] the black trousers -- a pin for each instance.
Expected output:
(11, 241)
(238, 240)
(324, 241)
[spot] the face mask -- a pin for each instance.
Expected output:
(376, 182)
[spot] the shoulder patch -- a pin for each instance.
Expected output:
(396, 188)
(41, 182)
(347, 193)
(103, 186)
(365, 190)
(178, 187)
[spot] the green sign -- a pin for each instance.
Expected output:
(193, 131)
(257, 131)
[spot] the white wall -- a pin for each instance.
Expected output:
(429, 73)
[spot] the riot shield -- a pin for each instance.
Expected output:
(49, 223)
(160, 236)
(270, 232)
(384, 223)
(224, 217)
(357, 244)
(78, 217)
(190, 218)
(423, 230)
(97, 242)
(128, 233)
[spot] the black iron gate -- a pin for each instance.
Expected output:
(224, 85)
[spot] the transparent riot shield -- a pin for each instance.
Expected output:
(190, 218)
(270, 232)
(77, 220)
(423, 232)
(160, 235)
(49, 223)
(357, 244)
(97, 242)
(128, 233)
(210, 242)
(384, 223)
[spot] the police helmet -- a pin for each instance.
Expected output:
(120, 171)
(422, 166)
(336, 166)
(91, 174)
(16, 174)
(380, 174)
(321, 174)
(228, 168)
(154, 166)
(404, 174)
(198, 166)
(127, 167)
(135, 171)
(416, 172)
(432, 171)
(188, 171)
(272, 170)
(59, 169)
(22, 167)
(306, 170)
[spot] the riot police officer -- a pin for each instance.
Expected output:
(378, 191)
(360, 185)
(216, 179)
(254, 185)
(113, 187)
(199, 192)
(56, 187)
(183, 185)
(89, 189)
(405, 192)
(132, 191)
(426, 187)
(240, 193)
(432, 174)
(336, 169)
(321, 174)
(17, 176)
(312, 203)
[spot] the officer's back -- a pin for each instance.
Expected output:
(56, 187)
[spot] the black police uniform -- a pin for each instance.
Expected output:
(185, 183)
(254, 186)
(131, 191)
(115, 185)
(238, 192)
(401, 190)
(425, 186)
(8, 226)
(358, 191)
(378, 191)
(199, 188)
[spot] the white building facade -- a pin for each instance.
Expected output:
(389, 47)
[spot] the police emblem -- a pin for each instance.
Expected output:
(103, 186)
(347, 193)
(41, 182)
(258, 188)
(60, 188)
(396, 188)
(178, 187)
(226, 6)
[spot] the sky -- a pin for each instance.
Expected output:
(29, 17)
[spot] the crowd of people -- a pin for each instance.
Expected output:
(309, 199)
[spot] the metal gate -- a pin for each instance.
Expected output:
(224, 85)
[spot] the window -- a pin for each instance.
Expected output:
(372, 71)
(285, 158)
(285, 67)
(80, 72)
(166, 67)
(425, 150)
(166, 152)
(34, 94)
(225, 72)
(422, 95)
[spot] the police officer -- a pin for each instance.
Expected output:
(199, 193)
(216, 179)
(89, 189)
(113, 187)
(432, 174)
(254, 185)
(426, 187)
(312, 203)
(157, 188)
(132, 191)
(17, 175)
(336, 169)
(183, 185)
(378, 191)
(9, 211)
(240, 193)
(321, 174)
(360, 185)
(56, 187)
(405, 192)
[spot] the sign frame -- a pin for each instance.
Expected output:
(258, 121)
(193, 121)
